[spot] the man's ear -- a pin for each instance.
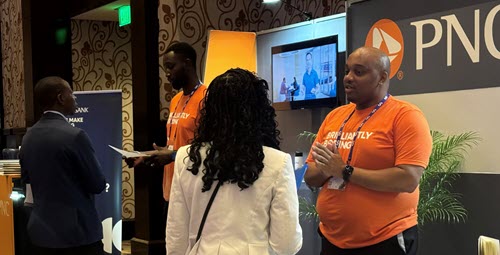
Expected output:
(383, 77)
(60, 98)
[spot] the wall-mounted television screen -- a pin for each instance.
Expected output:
(304, 74)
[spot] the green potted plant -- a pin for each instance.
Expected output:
(437, 202)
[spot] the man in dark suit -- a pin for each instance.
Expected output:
(59, 163)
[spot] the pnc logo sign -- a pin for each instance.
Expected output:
(386, 36)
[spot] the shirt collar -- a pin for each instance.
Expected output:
(56, 112)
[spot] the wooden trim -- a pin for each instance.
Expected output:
(28, 67)
(145, 72)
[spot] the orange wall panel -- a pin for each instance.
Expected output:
(6, 216)
(229, 49)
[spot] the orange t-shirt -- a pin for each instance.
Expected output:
(181, 124)
(396, 134)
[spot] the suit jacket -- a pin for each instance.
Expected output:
(260, 220)
(58, 161)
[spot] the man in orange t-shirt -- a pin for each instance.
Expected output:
(180, 67)
(368, 158)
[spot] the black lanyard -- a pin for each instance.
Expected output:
(175, 111)
(337, 141)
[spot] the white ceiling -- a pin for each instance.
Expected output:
(106, 12)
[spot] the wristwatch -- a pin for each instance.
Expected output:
(347, 172)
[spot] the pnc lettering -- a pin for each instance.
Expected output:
(453, 25)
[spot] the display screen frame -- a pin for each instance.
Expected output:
(326, 68)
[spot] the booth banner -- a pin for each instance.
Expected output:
(99, 113)
(433, 45)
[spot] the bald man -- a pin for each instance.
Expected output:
(59, 162)
(369, 156)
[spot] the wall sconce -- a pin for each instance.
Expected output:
(307, 15)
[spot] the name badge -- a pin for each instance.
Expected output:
(336, 183)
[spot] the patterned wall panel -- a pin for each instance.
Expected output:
(12, 64)
(101, 56)
(189, 21)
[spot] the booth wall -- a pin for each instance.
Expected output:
(480, 197)
(456, 112)
(293, 122)
(190, 21)
(466, 110)
(450, 57)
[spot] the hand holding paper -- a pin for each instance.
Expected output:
(155, 158)
(130, 154)
(160, 158)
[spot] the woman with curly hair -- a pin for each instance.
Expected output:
(234, 155)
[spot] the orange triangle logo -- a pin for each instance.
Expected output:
(386, 36)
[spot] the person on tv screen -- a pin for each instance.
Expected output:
(310, 79)
(283, 91)
(332, 86)
(293, 88)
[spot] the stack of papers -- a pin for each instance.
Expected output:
(8, 166)
(488, 246)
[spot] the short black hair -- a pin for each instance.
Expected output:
(47, 89)
(185, 50)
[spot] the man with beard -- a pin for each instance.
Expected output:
(180, 66)
(369, 157)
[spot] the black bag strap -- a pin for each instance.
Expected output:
(207, 210)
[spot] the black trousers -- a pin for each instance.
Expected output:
(391, 246)
(89, 249)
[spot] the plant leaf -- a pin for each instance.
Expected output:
(437, 202)
(307, 210)
(309, 136)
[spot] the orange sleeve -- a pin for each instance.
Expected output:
(413, 141)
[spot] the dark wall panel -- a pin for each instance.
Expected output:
(481, 197)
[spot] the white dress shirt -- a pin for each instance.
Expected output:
(260, 220)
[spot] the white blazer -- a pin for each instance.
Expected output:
(260, 220)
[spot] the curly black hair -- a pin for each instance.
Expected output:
(237, 119)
